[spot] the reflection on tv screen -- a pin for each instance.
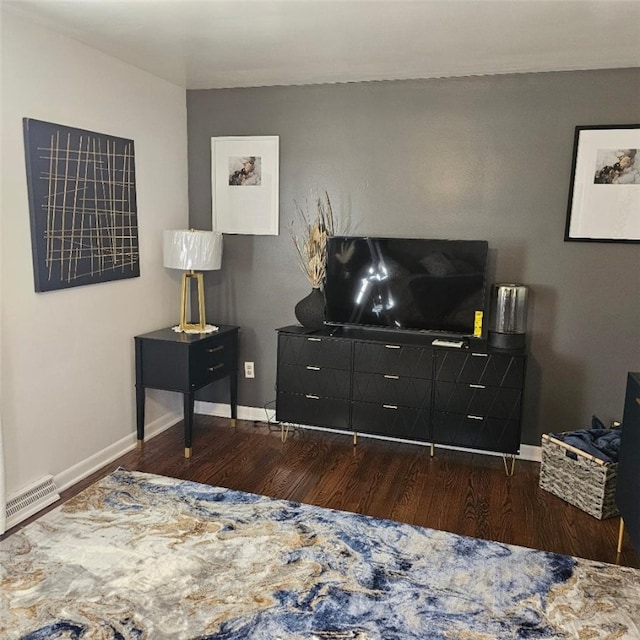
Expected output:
(405, 283)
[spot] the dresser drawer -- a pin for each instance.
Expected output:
(314, 410)
(323, 382)
(391, 389)
(496, 370)
(390, 420)
(476, 432)
(315, 351)
(393, 359)
(475, 399)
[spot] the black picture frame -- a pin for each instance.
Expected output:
(604, 195)
(82, 204)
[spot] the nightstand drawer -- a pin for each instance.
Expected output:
(211, 360)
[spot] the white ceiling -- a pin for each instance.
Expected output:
(203, 44)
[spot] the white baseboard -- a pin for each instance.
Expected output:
(527, 451)
(531, 452)
(94, 463)
(254, 414)
(80, 471)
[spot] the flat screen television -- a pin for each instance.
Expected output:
(405, 283)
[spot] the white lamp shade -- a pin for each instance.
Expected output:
(192, 250)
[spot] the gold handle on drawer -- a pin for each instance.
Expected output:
(390, 406)
(638, 400)
(388, 376)
(477, 386)
(310, 368)
(312, 397)
(218, 366)
(480, 355)
(475, 417)
(391, 346)
(314, 339)
(214, 349)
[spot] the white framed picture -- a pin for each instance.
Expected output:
(245, 184)
(604, 197)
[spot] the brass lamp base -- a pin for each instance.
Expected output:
(185, 325)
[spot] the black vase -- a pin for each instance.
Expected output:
(310, 310)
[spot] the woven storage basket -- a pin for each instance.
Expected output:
(585, 482)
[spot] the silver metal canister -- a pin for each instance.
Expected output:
(508, 321)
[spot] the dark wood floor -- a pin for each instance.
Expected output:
(465, 493)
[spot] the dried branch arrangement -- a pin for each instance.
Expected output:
(311, 243)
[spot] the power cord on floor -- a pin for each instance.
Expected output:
(273, 425)
(267, 413)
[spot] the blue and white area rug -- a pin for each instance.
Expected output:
(139, 556)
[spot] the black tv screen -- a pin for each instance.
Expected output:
(405, 283)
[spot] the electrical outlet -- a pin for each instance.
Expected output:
(249, 371)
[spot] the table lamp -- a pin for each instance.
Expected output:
(193, 252)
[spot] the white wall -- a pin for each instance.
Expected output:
(67, 365)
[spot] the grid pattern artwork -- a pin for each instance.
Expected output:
(82, 201)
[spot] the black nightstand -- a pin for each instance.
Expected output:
(185, 362)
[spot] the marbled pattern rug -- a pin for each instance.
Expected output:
(140, 556)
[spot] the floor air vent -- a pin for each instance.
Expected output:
(29, 501)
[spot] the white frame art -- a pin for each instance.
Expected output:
(245, 184)
(604, 197)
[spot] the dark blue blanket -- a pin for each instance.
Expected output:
(599, 442)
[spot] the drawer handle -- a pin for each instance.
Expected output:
(312, 397)
(390, 406)
(392, 346)
(214, 349)
(218, 366)
(388, 376)
(313, 368)
(637, 400)
(477, 386)
(480, 355)
(314, 339)
(475, 417)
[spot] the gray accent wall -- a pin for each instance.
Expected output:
(470, 158)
